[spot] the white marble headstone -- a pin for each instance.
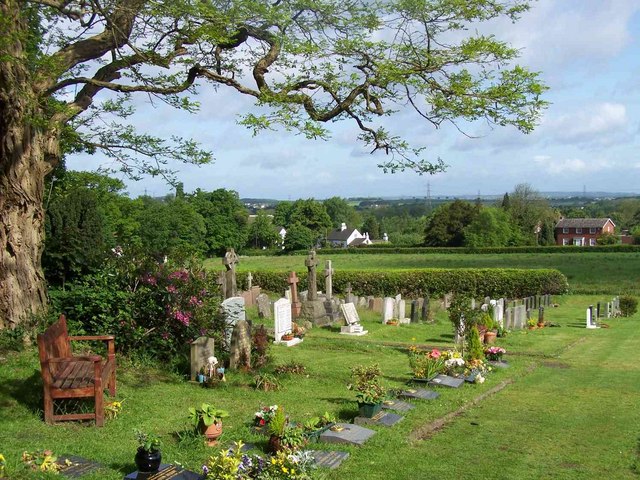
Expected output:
(282, 316)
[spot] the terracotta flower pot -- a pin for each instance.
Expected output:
(490, 337)
(212, 433)
(274, 444)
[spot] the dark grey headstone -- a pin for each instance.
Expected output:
(349, 433)
(398, 406)
(77, 466)
(446, 381)
(166, 472)
(329, 459)
(419, 394)
(385, 419)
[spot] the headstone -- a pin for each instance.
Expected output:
(384, 419)
(329, 305)
(248, 298)
(414, 311)
(487, 300)
(232, 311)
(166, 472)
(498, 312)
(347, 433)
(447, 300)
(508, 318)
(363, 302)
(387, 309)
(519, 317)
(328, 459)
(349, 297)
(396, 307)
(249, 281)
(377, 305)
(418, 394)
(201, 349)
(353, 326)
(424, 314)
(283, 323)
(255, 292)
(229, 261)
(264, 306)
(598, 311)
(311, 263)
(397, 405)
(72, 466)
(540, 314)
(295, 301)
(591, 320)
(459, 334)
(222, 283)
(607, 310)
(240, 350)
(446, 381)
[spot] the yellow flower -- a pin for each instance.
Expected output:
(284, 469)
(273, 461)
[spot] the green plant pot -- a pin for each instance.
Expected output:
(369, 410)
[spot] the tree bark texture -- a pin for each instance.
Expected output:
(23, 166)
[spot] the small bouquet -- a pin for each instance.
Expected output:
(494, 354)
(425, 364)
(454, 364)
(263, 416)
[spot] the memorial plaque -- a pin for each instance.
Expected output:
(72, 466)
(446, 381)
(397, 405)
(419, 394)
(166, 472)
(330, 460)
(385, 419)
(347, 433)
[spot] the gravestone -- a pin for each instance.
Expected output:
(201, 349)
(508, 318)
(283, 323)
(249, 281)
(418, 394)
(363, 302)
(446, 381)
(353, 326)
(240, 350)
(349, 297)
(387, 309)
(296, 305)
(519, 317)
(396, 307)
(255, 292)
(72, 466)
(591, 320)
(248, 298)
(222, 284)
(424, 313)
(232, 312)
(498, 312)
(447, 300)
(401, 307)
(397, 405)
(230, 261)
(377, 305)
(166, 472)
(607, 310)
(414, 311)
(540, 314)
(329, 305)
(383, 418)
(347, 433)
(311, 262)
(328, 459)
(264, 306)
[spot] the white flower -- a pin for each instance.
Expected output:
(454, 362)
(479, 379)
(212, 360)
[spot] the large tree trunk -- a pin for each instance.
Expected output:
(24, 162)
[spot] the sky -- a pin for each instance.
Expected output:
(588, 53)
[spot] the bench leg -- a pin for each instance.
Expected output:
(48, 407)
(99, 402)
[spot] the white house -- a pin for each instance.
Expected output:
(347, 237)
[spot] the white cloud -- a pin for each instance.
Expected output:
(572, 165)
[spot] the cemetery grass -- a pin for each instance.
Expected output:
(587, 273)
(570, 413)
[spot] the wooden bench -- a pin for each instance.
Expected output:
(66, 376)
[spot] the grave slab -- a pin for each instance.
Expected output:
(289, 343)
(471, 378)
(397, 405)
(446, 381)
(385, 419)
(418, 394)
(499, 364)
(166, 472)
(329, 459)
(73, 466)
(347, 433)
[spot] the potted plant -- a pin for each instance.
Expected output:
(425, 364)
(494, 354)
(207, 420)
(369, 392)
(276, 428)
(148, 456)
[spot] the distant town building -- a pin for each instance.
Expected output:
(582, 232)
(347, 237)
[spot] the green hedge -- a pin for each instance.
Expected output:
(476, 251)
(494, 282)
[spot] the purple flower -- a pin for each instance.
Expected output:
(205, 469)
(171, 289)
(183, 317)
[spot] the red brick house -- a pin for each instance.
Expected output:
(582, 232)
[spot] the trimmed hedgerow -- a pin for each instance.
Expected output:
(468, 250)
(493, 282)
(628, 305)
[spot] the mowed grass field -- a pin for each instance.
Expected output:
(611, 273)
(568, 409)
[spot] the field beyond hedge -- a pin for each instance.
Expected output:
(610, 273)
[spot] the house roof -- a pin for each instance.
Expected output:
(358, 241)
(340, 235)
(583, 222)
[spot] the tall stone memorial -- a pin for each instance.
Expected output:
(313, 309)
(283, 322)
(229, 261)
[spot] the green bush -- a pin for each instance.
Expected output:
(391, 248)
(480, 282)
(628, 305)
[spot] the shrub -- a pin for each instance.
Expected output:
(476, 351)
(292, 368)
(628, 305)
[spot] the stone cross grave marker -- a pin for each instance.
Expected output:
(249, 281)
(328, 279)
(295, 301)
(311, 263)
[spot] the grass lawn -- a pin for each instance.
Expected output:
(570, 411)
(588, 273)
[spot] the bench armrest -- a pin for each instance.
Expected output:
(93, 337)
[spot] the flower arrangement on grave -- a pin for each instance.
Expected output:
(425, 364)
(283, 435)
(367, 384)
(287, 336)
(148, 456)
(236, 465)
(263, 416)
(454, 364)
(494, 354)
(44, 461)
(113, 409)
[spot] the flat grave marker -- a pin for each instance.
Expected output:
(446, 381)
(418, 394)
(329, 459)
(385, 419)
(397, 405)
(166, 472)
(347, 433)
